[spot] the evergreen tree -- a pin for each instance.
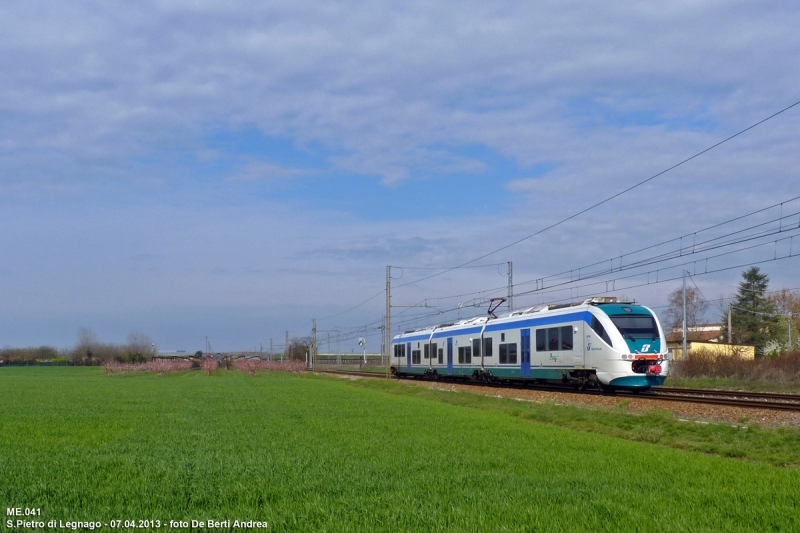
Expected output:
(753, 320)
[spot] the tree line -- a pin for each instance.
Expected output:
(138, 348)
(766, 320)
(88, 350)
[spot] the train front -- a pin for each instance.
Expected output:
(631, 350)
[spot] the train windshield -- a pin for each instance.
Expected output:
(636, 326)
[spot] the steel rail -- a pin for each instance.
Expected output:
(722, 392)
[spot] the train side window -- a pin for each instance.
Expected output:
(502, 337)
(415, 357)
(552, 339)
(508, 353)
(541, 340)
(598, 328)
(441, 356)
(476, 347)
(512, 353)
(487, 347)
(468, 355)
(426, 351)
(460, 355)
(566, 337)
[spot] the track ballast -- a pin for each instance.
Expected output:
(755, 400)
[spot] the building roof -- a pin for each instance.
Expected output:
(701, 332)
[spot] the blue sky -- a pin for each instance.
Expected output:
(187, 169)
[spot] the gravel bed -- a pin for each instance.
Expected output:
(697, 412)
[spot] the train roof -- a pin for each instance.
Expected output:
(530, 312)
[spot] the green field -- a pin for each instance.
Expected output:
(325, 454)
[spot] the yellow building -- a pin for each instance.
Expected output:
(707, 338)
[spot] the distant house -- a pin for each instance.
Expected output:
(706, 337)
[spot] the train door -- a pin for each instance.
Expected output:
(450, 355)
(408, 356)
(525, 353)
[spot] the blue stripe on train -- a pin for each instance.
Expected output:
(585, 316)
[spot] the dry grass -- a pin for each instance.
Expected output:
(704, 364)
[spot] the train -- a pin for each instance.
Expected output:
(600, 342)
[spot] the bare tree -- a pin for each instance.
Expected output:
(140, 347)
(785, 302)
(696, 306)
(298, 347)
(85, 347)
(87, 338)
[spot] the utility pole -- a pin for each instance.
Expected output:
(313, 342)
(269, 357)
(384, 349)
(510, 286)
(286, 346)
(338, 347)
(685, 355)
(730, 332)
(388, 332)
(789, 325)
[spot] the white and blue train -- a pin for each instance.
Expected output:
(600, 342)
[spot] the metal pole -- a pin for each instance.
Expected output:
(730, 331)
(384, 349)
(313, 343)
(685, 355)
(789, 323)
(286, 347)
(510, 287)
(388, 312)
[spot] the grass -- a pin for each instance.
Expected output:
(745, 440)
(734, 383)
(326, 454)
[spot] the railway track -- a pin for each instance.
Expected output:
(759, 400)
(756, 400)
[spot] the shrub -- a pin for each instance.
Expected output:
(29, 355)
(157, 367)
(701, 363)
(252, 366)
(209, 365)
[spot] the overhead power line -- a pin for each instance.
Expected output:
(606, 200)
(680, 251)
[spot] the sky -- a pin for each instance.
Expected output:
(196, 170)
